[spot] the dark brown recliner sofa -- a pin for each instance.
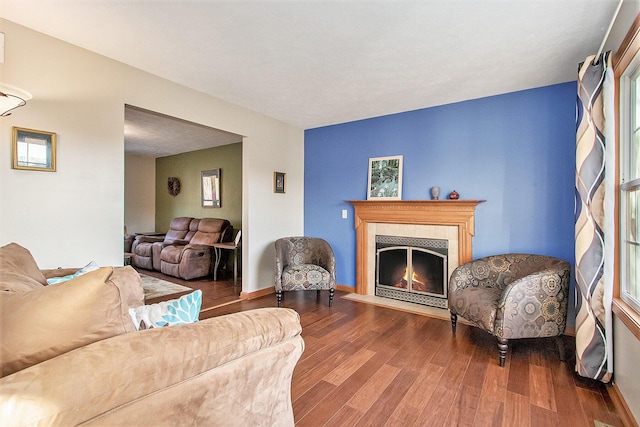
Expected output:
(195, 259)
(143, 245)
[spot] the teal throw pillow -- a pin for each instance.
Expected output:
(185, 309)
(87, 268)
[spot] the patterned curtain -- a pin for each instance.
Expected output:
(594, 234)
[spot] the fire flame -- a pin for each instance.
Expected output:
(415, 280)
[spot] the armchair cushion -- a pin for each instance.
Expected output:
(306, 276)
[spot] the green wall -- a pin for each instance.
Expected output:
(187, 167)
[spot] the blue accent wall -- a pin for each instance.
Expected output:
(516, 151)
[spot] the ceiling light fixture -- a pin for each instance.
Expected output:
(11, 98)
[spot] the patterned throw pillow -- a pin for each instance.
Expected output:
(168, 313)
(87, 268)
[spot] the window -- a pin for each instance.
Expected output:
(630, 184)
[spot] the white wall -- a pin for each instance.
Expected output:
(76, 214)
(626, 347)
(140, 193)
(625, 365)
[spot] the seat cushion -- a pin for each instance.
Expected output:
(43, 323)
(305, 276)
(477, 305)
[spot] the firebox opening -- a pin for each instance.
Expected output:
(412, 269)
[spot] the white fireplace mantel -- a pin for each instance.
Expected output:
(457, 213)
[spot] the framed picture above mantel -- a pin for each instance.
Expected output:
(385, 178)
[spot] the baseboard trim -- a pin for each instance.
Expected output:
(235, 301)
(272, 290)
(345, 288)
(257, 294)
(621, 406)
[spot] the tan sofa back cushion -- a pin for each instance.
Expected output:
(178, 228)
(210, 231)
(43, 323)
(18, 270)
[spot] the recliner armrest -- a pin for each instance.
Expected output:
(149, 239)
(176, 242)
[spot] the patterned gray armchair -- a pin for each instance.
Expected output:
(304, 263)
(512, 296)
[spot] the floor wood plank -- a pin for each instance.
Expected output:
(541, 388)
(373, 388)
(382, 409)
(517, 411)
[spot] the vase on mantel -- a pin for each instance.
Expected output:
(454, 195)
(435, 193)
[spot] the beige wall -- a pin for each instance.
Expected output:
(139, 193)
(76, 214)
(187, 167)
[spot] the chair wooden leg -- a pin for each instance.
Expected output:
(454, 322)
(279, 297)
(502, 350)
(561, 348)
(331, 292)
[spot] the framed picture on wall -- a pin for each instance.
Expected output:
(385, 178)
(33, 150)
(279, 182)
(211, 188)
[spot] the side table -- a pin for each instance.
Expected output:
(232, 246)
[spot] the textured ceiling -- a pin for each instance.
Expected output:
(317, 63)
(151, 134)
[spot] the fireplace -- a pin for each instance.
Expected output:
(412, 269)
(435, 220)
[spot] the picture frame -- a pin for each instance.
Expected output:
(33, 150)
(210, 182)
(385, 178)
(279, 182)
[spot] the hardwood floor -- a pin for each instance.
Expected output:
(215, 293)
(365, 365)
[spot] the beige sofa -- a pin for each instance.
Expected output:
(71, 355)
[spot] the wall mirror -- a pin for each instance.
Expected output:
(33, 150)
(211, 188)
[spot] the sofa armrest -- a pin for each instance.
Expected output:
(235, 369)
(177, 242)
(149, 239)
